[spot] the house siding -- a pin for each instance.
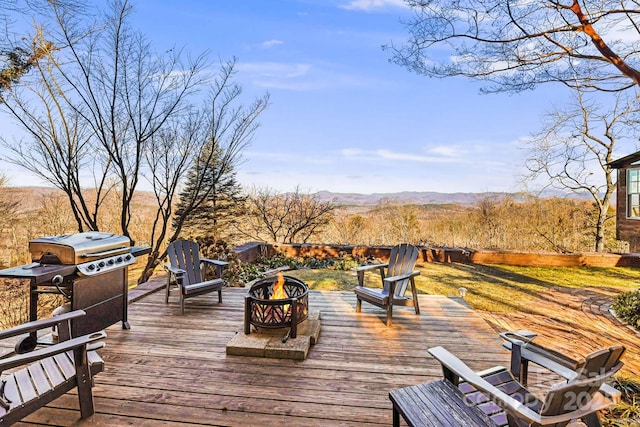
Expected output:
(626, 229)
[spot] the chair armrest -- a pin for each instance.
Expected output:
(611, 393)
(174, 270)
(554, 362)
(370, 267)
(402, 276)
(519, 335)
(36, 325)
(506, 402)
(214, 262)
(26, 358)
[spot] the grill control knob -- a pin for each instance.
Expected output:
(111, 262)
(101, 264)
(91, 267)
(127, 257)
(119, 259)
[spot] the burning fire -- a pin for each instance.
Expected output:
(279, 293)
(278, 288)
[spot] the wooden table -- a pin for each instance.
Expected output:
(436, 403)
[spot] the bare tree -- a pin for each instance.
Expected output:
(98, 99)
(576, 146)
(516, 45)
(347, 228)
(17, 57)
(104, 111)
(285, 218)
(59, 146)
(127, 92)
(206, 145)
(491, 223)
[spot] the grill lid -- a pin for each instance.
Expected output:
(78, 248)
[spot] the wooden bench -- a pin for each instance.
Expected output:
(33, 379)
(437, 403)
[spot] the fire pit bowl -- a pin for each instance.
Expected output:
(276, 303)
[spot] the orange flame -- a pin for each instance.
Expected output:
(278, 288)
(279, 293)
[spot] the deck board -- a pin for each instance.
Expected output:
(173, 370)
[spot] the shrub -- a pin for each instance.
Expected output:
(627, 307)
(220, 250)
(628, 410)
(255, 270)
(344, 262)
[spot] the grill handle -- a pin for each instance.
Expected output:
(105, 253)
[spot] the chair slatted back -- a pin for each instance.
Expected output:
(401, 261)
(185, 254)
(600, 361)
(595, 370)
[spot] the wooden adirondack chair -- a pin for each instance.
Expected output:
(187, 270)
(399, 275)
(507, 402)
(31, 380)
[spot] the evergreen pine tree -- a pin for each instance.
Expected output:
(220, 195)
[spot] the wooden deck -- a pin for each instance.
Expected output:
(172, 370)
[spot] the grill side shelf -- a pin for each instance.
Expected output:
(37, 272)
(140, 250)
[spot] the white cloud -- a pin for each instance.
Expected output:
(364, 170)
(270, 43)
(382, 154)
(274, 69)
(302, 76)
(368, 5)
(447, 151)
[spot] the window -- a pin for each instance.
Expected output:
(633, 193)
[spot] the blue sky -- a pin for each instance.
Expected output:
(342, 117)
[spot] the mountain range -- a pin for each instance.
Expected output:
(30, 197)
(419, 197)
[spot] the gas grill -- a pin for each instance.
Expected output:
(92, 253)
(89, 269)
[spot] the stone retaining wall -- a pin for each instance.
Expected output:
(252, 251)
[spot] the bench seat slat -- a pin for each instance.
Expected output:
(66, 364)
(25, 387)
(53, 371)
(437, 403)
(503, 380)
(434, 404)
(39, 377)
(11, 392)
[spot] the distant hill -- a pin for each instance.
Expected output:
(413, 197)
(30, 197)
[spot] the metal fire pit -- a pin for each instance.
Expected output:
(262, 312)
